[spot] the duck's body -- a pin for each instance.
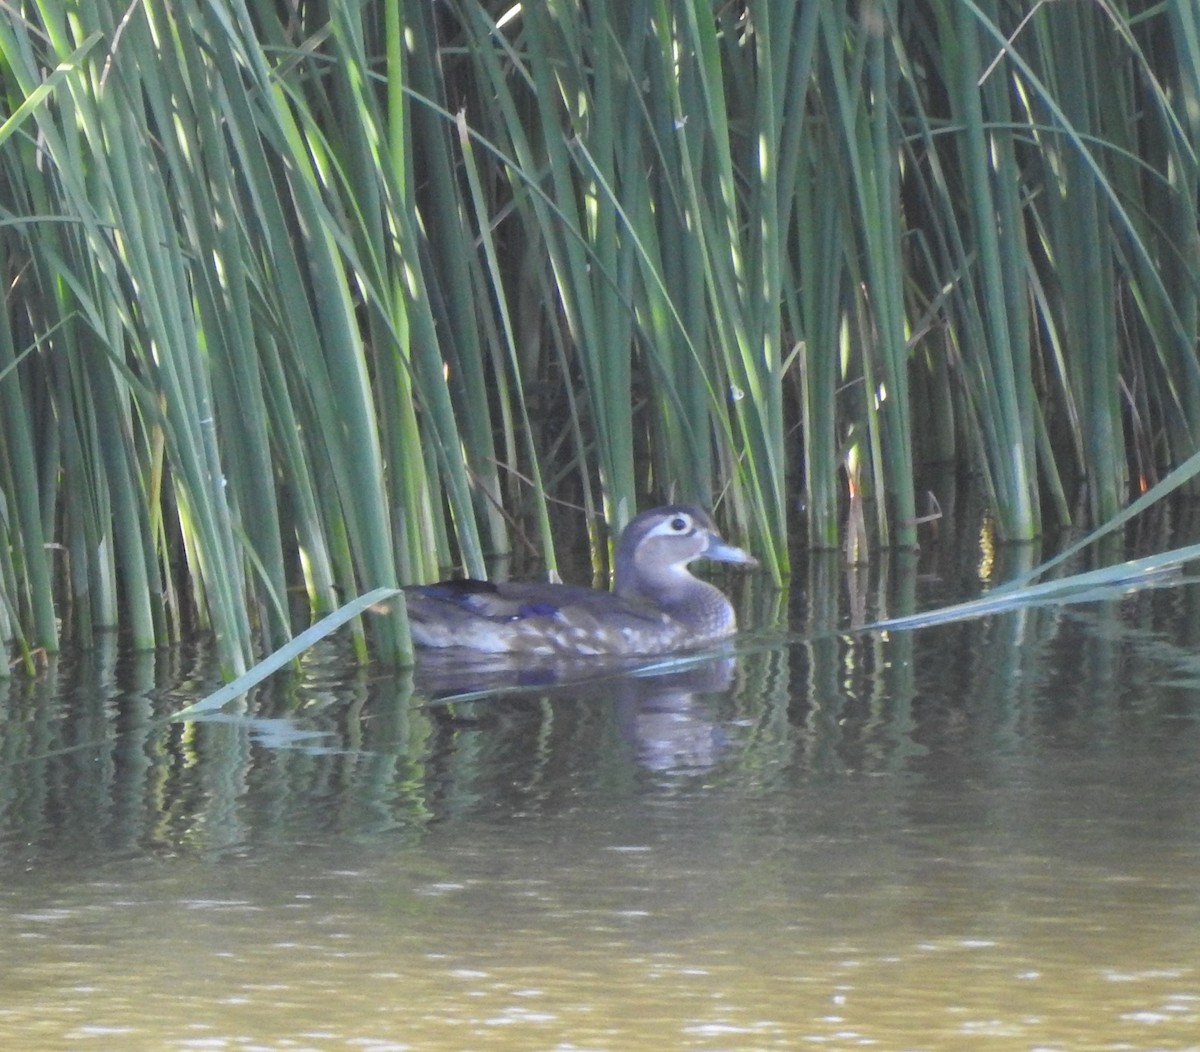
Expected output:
(656, 605)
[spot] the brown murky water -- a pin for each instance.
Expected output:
(985, 835)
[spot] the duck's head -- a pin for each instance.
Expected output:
(655, 549)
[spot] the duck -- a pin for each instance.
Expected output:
(656, 606)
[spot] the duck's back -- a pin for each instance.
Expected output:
(535, 618)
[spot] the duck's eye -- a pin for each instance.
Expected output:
(680, 523)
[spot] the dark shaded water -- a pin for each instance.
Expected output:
(984, 835)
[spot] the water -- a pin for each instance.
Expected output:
(983, 835)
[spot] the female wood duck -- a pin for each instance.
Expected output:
(656, 605)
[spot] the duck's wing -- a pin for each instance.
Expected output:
(521, 617)
(504, 601)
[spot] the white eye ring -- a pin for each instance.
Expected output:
(677, 525)
(680, 524)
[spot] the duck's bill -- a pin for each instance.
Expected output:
(728, 553)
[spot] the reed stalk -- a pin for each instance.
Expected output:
(302, 303)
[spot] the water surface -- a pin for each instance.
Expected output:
(983, 835)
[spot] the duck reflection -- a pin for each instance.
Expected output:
(663, 712)
(669, 722)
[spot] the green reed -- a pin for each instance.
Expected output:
(302, 304)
